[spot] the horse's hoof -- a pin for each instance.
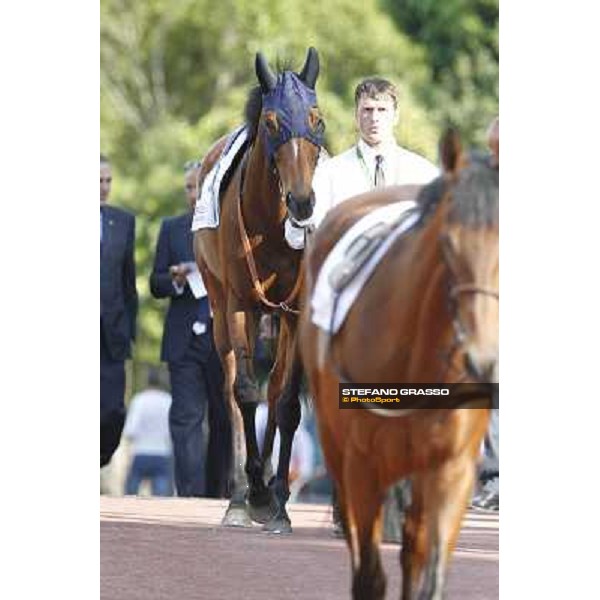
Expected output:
(236, 516)
(262, 513)
(262, 506)
(279, 525)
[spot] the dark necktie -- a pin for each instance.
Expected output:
(379, 174)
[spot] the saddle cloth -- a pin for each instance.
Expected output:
(354, 258)
(206, 211)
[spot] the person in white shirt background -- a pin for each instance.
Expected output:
(147, 430)
(356, 170)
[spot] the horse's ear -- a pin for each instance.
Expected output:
(265, 76)
(451, 150)
(310, 70)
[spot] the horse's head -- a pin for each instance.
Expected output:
(469, 244)
(292, 129)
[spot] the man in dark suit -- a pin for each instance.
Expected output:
(118, 311)
(194, 366)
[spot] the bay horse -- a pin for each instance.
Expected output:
(249, 268)
(427, 315)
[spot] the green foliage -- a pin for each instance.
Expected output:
(175, 75)
(460, 38)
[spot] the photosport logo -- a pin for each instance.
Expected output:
(402, 396)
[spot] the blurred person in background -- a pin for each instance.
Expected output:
(118, 312)
(265, 348)
(488, 496)
(147, 429)
(194, 366)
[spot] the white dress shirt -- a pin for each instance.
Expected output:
(353, 172)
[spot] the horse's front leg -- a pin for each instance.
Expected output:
(237, 513)
(447, 490)
(274, 391)
(362, 495)
(242, 329)
(415, 539)
(288, 417)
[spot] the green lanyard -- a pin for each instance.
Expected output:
(365, 168)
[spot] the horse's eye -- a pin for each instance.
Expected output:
(315, 121)
(271, 123)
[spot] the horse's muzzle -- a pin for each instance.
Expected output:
(300, 208)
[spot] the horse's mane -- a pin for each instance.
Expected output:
(474, 195)
(429, 197)
(253, 106)
(252, 111)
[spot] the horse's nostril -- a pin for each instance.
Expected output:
(471, 366)
(299, 208)
(480, 368)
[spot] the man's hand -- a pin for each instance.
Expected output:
(179, 272)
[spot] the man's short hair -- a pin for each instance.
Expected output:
(375, 87)
(104, 159)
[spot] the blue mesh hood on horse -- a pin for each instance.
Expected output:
(291, 100)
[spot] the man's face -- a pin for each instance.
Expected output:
(191, 178)
(376, 119)
(105, 181)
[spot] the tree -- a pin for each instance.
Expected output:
(460, 38)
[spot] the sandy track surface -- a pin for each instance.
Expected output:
(175, 549)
